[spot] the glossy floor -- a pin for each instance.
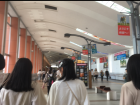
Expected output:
(100, 98)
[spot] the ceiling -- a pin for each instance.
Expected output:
(89, 16)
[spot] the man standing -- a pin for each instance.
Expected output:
(125, 76)
(107, 74)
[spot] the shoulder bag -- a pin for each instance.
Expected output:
(73, 94)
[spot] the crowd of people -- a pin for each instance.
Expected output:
(95, 74)
(19, 89)
(65, 89)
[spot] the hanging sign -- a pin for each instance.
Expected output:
(123, 25)
(94, 49)
(73, 57)
(121, 55)
(85, 50)
(79, 56)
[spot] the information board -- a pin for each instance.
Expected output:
(81, 72)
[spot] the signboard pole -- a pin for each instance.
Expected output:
(134, 12)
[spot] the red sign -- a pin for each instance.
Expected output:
(85, 52)
(103, 59)
(120, 53)
(123, 30)
(81, 64)
(73, 57)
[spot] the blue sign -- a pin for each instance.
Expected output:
(120, 57)
(94, 49)
(78, 56)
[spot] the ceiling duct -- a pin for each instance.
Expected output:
(52, 30)
(50, 7)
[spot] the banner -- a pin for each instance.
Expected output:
(121, 55)
(79, 56)
(93, 61)
(94, 49)
(85, 50)
(123, 25)
(103, 59)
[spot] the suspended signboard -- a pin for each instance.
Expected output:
(123, 25)
(94, 49)
(85, 50)
(79, 56)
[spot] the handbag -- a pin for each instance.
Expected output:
(73, 94)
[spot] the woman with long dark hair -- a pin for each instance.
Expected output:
(19, 89)
(68, 90)
(130, 92)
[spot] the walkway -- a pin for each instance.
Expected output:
(100, 98)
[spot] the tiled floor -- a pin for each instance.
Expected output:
(100, 98)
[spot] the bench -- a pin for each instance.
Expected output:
(110, 95)
(102, 89)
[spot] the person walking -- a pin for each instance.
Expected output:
(95, 74)
(92, 72)
(102, 75)
(43, 74)
(130, 91)
(48, 79)
(20, 89)
(68, 90)
(107, 74)
(125, 76)
(39, 75)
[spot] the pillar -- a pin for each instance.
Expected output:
(7, 45)
(3, 16)
(35, 59)
(22, 43)
(28, 47)
(13, 43)
(32, 56)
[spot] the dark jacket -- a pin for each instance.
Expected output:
(106, 73)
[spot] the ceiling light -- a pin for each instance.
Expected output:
(50, 56)
(106, 3)
(75, 44)
(54, 66)
(117, 7)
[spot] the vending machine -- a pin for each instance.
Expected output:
(81, 72)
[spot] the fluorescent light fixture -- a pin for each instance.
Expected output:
(75, 44)
(54, 66)
(65, 53)
(114, 6)
(87, 56)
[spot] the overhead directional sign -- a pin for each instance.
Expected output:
(123, 25)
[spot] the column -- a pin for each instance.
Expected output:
(32, 56)
(13, 43)
(35, 59)
(22, 43)
(2, 13)
(7, 45)
(28, 47)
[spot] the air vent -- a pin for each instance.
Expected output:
(50, 7)
(52, 30)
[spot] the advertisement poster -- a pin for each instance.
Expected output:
(79, 56)
(121, 55)
(106, 65)
(123, 63)
(93, 61)
(123, 25)
(81, 72)
(94, 49)
(85, 50)
(103, 59)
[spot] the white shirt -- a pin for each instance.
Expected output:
(92, 72)
(35, 97)
(43, 72)
(60, 94)
(39, 72)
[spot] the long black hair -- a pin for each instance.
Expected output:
(20, 79)
(133, 70)
(68, 70)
